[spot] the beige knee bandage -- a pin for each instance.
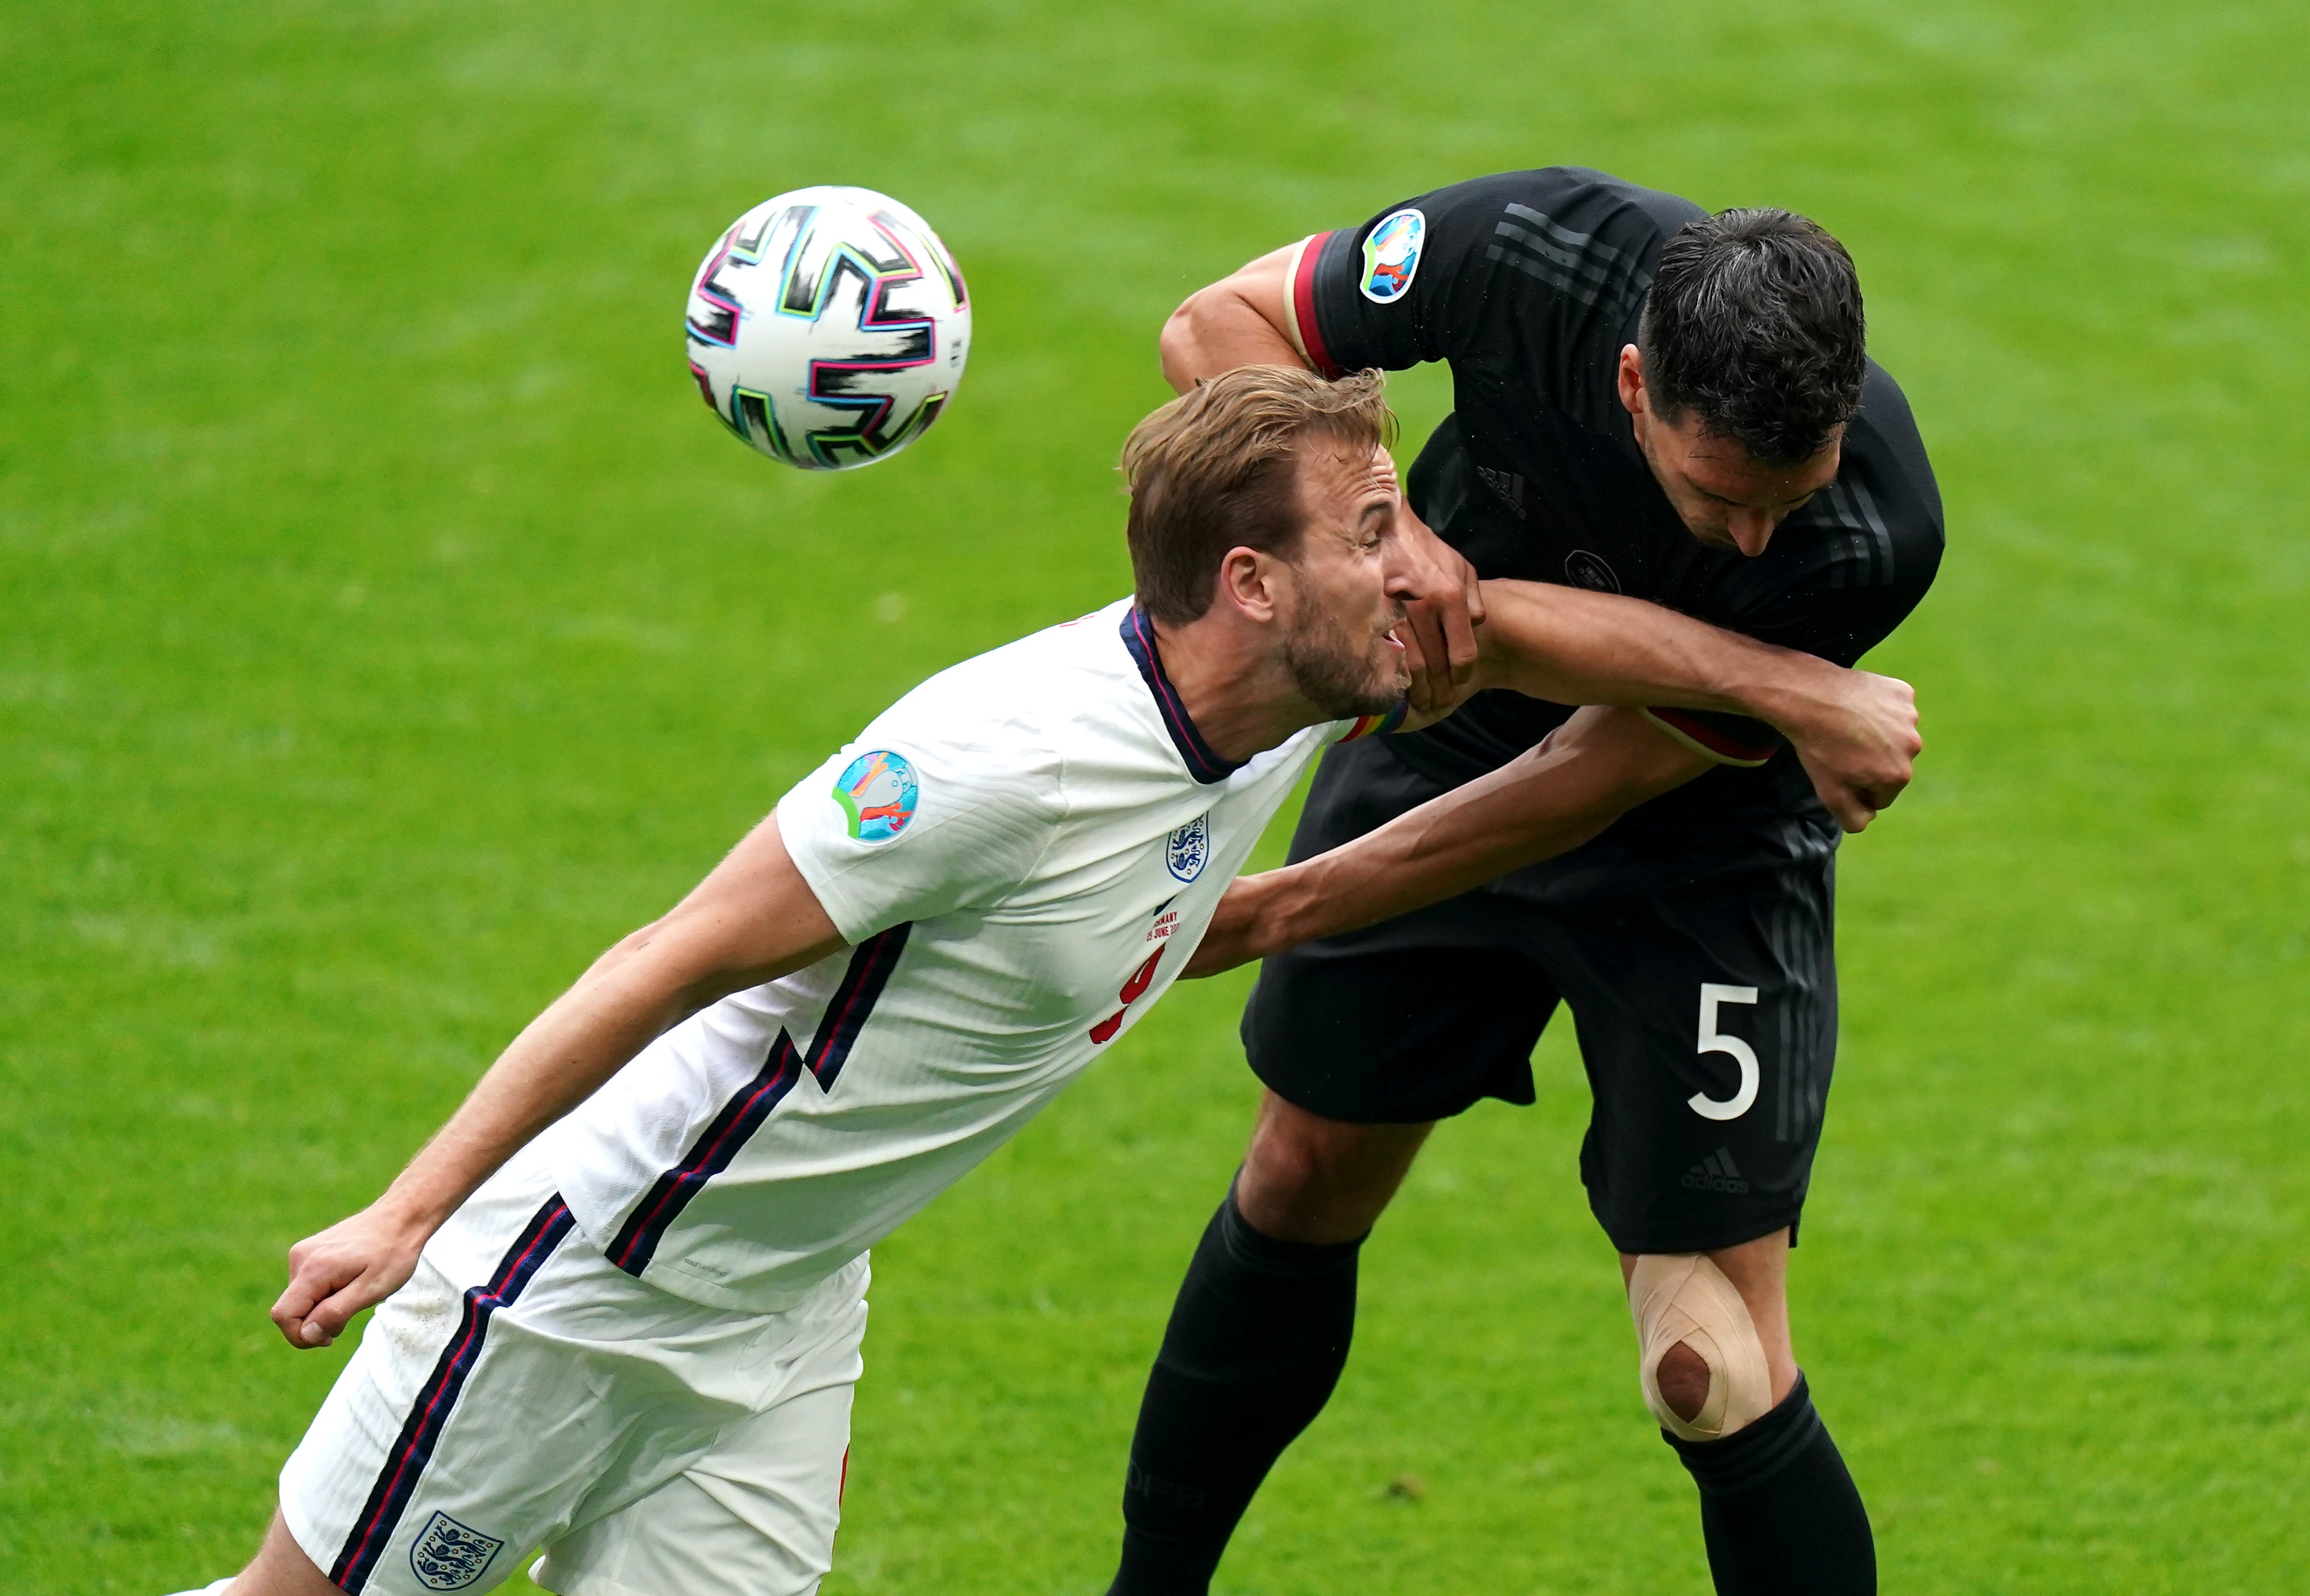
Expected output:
(1685, 1297)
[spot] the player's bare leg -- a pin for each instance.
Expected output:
(1322, 1180)
(1759, 1271)
(1777, 1509)
(1258, 1340)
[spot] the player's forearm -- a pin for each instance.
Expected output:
(1572, 646)
(561, 1058)
(1546, 802)
(752, 919)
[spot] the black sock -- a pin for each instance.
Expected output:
(1256, 1344)
(1779, 1512)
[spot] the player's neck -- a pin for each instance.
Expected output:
(1234, 687)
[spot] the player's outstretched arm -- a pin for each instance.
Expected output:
(1856, 732)
(753, 920)
(1596, 767)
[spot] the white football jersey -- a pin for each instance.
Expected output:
(1023, 853)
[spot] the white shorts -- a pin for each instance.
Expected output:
(521, 1392)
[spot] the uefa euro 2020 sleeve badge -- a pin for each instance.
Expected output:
(1391, 255)
(878, 793)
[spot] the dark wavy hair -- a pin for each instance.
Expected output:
(1754, 324)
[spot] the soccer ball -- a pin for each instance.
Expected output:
(828, 327)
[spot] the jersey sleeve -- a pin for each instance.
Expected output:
(1724, 739)
(1533, 277)
(910, 822)
(1398, 290)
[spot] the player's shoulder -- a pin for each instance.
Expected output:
(1884, 442)
(1008, 716)
(1535, 271)
(1884, 496)
(1874, 536)
(1557, 210)
(977, 756)
(1072, 657)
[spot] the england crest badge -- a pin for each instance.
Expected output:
(449, 1556)
(1189, 847)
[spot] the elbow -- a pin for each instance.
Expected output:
(622, 952)
(1178, 343)
(662, 965)
(635, 940)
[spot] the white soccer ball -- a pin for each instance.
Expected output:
(828, 327)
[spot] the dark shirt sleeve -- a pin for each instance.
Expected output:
(1532, 276)
(1407, 287)
(1727, 739)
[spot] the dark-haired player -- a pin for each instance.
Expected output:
(1652, 401)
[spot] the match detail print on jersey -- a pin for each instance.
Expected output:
(1166, 926)
(404, 1464)
(846, 1015)
(878, 793)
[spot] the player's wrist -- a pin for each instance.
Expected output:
(1245, 918)
(413, 1207)
(1793, 693)
(1282, 913)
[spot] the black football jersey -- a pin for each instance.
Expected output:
(1529, 284)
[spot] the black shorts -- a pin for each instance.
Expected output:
(1690, 1146)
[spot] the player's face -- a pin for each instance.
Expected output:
(1725, 497)
(1348, 589)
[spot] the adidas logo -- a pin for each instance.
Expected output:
(1716, 1173)
(1506, 483)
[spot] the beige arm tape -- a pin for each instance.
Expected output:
(1685, 1297)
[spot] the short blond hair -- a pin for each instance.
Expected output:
(1213, 470)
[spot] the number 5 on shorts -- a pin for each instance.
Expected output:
(1713, 1041)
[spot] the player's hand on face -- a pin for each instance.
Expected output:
(355, 1263)
(1861, 750)
(1439, 632)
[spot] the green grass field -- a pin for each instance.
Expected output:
(385, 628)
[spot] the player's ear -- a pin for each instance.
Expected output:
(1248, 581)
(1632, 380)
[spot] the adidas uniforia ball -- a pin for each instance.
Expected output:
(828, 327)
